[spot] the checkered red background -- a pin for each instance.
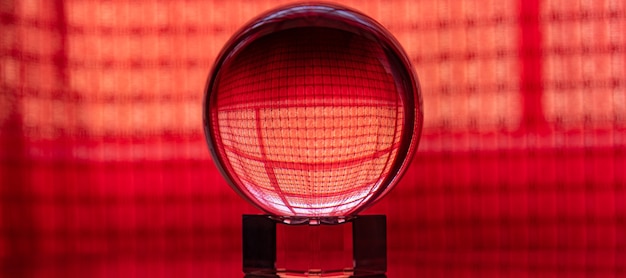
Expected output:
(521, 169)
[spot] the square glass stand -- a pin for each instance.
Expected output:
(354, 248)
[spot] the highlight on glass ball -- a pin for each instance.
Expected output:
(312, 112)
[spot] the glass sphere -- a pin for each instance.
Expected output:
(312, 112)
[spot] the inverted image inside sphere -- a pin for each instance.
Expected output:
(308, 121)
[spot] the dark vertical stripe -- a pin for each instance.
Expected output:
(532, 121)
(531, 60)
(65, 180)
(18, 222)
(60, 57)
(21, 229)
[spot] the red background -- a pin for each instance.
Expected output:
(104, 171)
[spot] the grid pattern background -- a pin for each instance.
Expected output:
(520, 170)
(308, 121)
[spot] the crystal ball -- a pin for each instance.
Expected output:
(312, 111)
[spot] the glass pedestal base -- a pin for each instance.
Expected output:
(355, 248)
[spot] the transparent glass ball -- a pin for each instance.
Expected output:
(312, 111)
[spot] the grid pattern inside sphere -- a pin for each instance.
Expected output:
(308, 121)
